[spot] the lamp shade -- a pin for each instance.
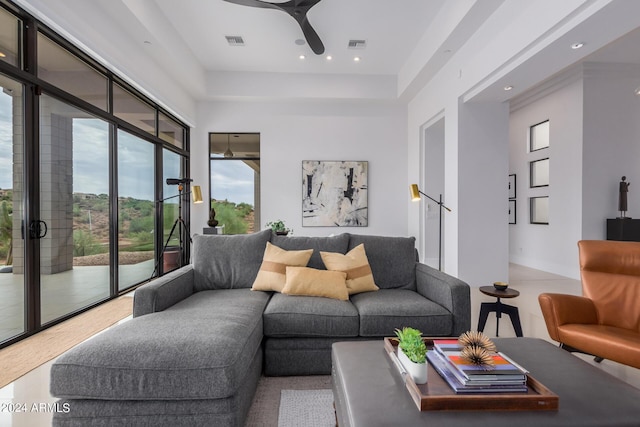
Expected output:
(415, 193)
(196, 193)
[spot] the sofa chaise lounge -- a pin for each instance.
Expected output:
(200, 337)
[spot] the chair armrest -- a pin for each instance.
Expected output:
(448, 291)
(562, 309)
(163, 292)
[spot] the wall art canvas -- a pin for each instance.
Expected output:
(334, 194)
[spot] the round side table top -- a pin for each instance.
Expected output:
(493, 292)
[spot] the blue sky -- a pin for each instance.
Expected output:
(232, 180)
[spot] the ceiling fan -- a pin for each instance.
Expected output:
(298, 10)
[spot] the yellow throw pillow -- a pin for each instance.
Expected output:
(356, 265)
(271, 276)
(316, 283)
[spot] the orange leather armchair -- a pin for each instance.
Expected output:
(605, 320)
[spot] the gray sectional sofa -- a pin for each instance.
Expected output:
(201, 338)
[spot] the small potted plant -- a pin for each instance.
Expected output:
(278, 227)
(412, 353)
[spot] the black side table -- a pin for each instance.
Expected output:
(499, 308)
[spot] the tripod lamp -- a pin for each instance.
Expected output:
(415, 197)
(196, 193)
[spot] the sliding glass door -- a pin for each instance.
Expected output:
(12, 284)
(73, 226)
(136, 210)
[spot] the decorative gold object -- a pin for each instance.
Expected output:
(476, 339)
(478, 356)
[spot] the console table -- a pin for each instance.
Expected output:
(369, 391)
(625, 229)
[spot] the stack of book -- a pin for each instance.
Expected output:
(505, 376)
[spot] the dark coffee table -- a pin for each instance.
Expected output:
(369, 391)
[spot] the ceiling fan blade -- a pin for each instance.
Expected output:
(312, 37)
(297, 9)
(253, 3)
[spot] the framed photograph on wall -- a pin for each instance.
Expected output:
(539, 210)
(512, 186)
(512, 211)
(335, 193)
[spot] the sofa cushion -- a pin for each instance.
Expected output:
(200, 348)
(227, 262)
(337, 243)
(316, 283)
(303, 316)
(356, 265)
(388, 309)
(392, 259)
(272, 273)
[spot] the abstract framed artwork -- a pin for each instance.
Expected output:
(335, 193)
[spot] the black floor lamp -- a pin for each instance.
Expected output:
(415, 197)
(179, 223)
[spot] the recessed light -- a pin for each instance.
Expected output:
(507, 88)
(329, 57)
(637, 91)
(2, 55)
(577, 45)
(356, 59)
(301, 56)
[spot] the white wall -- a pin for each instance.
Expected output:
(549, 247)
(611, 144)
(594, 141)
(293, 131)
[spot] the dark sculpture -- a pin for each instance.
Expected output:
(622, 199)
(212, 218)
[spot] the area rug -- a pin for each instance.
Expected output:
(26, 355)
(306, 408)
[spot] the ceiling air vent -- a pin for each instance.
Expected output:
(235, 40)
(357, 44)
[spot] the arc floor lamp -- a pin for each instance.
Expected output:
(415, 197)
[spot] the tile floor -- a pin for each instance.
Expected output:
(34, 387)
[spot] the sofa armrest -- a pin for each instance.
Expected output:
(561, 309)
(448, 291)
(163, 292)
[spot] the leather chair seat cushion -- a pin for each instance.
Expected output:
(608, 342)
(309, 316)
(200, 348)
(383, 311)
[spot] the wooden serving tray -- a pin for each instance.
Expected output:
(436, 395)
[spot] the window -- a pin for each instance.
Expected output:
(136, 210)
(60, 67)
(74, 204)
(235, 181)
(170, 131)
(10, 28)
(539, 210)
(539, 136)
(133, 110)
(539, 173)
